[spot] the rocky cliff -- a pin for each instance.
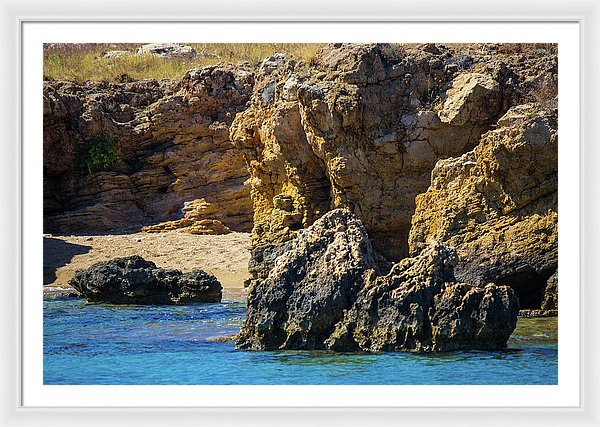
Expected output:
(362, 127)
(455, 144)
(118, 156)
(498, 206)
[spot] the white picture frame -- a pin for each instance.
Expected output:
(15, 15)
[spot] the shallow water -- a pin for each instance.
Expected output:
(102, 344)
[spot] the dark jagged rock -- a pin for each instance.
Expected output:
(331, 290)
(133, 280)
(310, 286)
(419, 307)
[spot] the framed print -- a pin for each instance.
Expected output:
(340, 218)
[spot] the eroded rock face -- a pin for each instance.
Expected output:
(331, 290)
(133, 280)
(497, 206)
(310, 285)
(168, 143)
(418, 306)
(550, 300)
(360, 128)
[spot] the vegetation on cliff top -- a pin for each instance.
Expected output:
(81, 62)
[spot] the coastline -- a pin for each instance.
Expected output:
(225, 256)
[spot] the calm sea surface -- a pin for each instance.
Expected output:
(102, 344)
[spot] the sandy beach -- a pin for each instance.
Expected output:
(225, 256)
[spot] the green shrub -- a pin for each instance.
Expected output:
(99, 153)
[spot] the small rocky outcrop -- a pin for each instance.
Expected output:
(331, 290)
(497, 206)
(167, 50)
(120, 156)
(190, 226)
(361, 127)
(550, 299)
(133, 280)
(195, 220)
(310, 285)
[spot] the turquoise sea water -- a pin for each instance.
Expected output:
(102, 344)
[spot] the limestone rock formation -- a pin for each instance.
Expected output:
(497, 206)
(124, 155)
(167, 50)
(194, 219)
(360, 127)
(310, 286)
(473, 98)
(190, 226)
(134, 280)
(330, 290)
(550, 300)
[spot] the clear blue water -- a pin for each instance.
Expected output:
(102, 344)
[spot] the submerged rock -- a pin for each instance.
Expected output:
(331, 290)
(133, 280)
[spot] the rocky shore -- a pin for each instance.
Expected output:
(399, 197)
(133, 280)
(224, 256)
(331, 290)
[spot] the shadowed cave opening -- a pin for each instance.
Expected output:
(529, 285)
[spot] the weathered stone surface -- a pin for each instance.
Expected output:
(171, 139)
(550, 300)
(360, 128)
(134, 280)
(310, 286)
(167, 50)
(419, 307)
(330, 290)
(474, 97)
(194, 218)
(190, 226)
(497, 205)
(116, 53)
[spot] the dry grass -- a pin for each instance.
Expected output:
(80, 62)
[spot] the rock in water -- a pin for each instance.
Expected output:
(330, 290)
(419, 307)
(133, 280)
(310, 285)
